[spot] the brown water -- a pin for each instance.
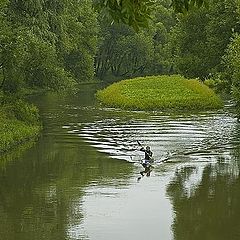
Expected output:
(79, 181)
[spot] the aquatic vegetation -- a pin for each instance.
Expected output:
(159, 93)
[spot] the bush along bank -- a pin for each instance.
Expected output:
(159, 93)
(19, 122)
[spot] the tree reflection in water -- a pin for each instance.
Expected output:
(206, 200)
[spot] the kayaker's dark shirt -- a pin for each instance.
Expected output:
(148, 154)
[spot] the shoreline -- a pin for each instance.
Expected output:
(14, 133)
(19, 123)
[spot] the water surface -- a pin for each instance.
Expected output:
(79, 181)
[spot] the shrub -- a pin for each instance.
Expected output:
(218, 85)
(13, 132)
(19, 121)
(26, 112)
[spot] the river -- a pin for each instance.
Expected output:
(79, 180)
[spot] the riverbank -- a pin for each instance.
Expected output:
(19, 122)
(160, 93)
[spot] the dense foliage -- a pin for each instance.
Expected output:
(56, 44)
(159, 92)
(43, 45)
(232, 62)
(205, 45)
(137, 13)
(202, 38)
(46, 44)
(19, 122)
(125, 53)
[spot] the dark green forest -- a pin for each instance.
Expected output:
(57, 44)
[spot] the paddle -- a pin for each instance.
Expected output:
(139, 143)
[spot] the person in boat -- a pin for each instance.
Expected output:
(148, 153)
(146, 163)
(147, 169)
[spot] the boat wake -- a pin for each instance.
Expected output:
(171, 137)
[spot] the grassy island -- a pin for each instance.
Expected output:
(19, 122)
(159, 93)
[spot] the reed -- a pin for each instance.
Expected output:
(159, 93)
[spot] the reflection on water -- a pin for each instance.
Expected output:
(209, 207)
(6, 158)
(78, 182)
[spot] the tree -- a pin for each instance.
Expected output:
(202, 37)
(10, 47)
(163, 20)
(232, 64)
(123, 52)
(223, 23)
(77, 40)
(39, 39)
(137, 13)
(189, 39)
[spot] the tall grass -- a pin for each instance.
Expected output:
(19, 121)
(13, 132)
(159, 92)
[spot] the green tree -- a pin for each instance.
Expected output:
(38, 40)
(11, 50)
(123, 52)
(232, 64)
(77, 40)
(203, 36)
(138, 13)
(190, 43)
(223, 22)
(162, 22)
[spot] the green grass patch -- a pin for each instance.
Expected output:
(14, 132)
(19, 122)
(159, 93)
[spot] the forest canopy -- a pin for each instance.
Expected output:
(57, 44)
(46, 44)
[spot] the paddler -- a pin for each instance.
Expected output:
(146, 162)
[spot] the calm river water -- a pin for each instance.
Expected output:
(79, 181)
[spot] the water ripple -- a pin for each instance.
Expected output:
(199, 136)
